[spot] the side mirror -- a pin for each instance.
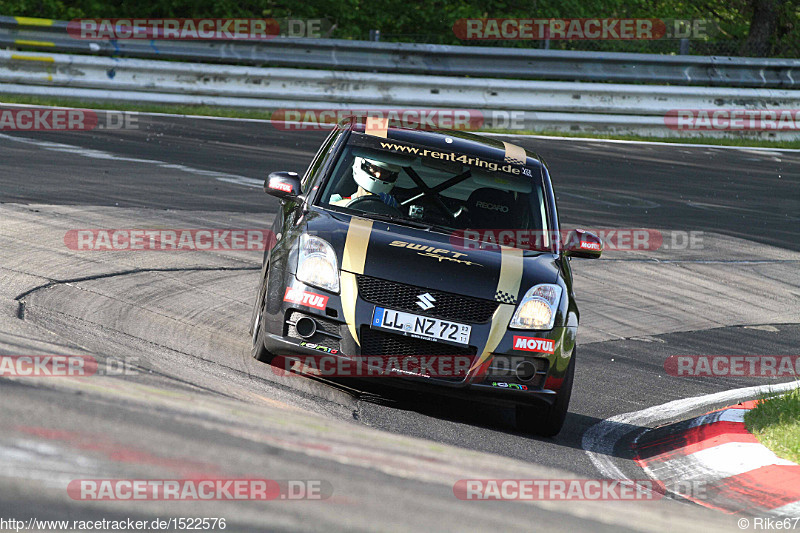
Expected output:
(283, 185)
(584, 244)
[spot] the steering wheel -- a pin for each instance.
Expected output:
(373, 204)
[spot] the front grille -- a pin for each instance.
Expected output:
(375, 342)
(331, 340)
(402, 297)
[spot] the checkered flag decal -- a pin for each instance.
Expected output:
(504, 297)
(514, 154)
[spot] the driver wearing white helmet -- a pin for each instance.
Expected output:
(373, 178)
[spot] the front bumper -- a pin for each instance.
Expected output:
(344, 330)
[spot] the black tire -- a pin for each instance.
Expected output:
(547, 421)
(258, 351)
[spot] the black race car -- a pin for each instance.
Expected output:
(400, 244)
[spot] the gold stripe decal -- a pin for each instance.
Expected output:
(514, 154)
(500, 319)
(510, 275)
(377, 126)
(349, 296)
(355, 247)
(507, 289)
(353, 259)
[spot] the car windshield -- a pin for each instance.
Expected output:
(462, 194)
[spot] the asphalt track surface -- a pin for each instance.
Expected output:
(746, 193)
(185, 319)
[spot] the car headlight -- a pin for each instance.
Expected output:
(316, 263)
(537, 310)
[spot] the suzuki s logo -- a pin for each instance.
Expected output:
(425, 301)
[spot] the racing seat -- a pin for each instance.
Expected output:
(489, 208)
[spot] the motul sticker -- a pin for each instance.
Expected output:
(285, 187)
(590, 245)
(298, 296)
(533, 344)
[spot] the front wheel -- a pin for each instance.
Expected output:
(547, 421)
(258, 350)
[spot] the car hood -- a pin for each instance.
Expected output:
(429, 259)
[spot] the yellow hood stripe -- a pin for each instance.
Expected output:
(500, 319)
(349, 297)
(353, 259)
(508, 285)
(510, 275)
(355, 247)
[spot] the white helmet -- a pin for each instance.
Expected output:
(375, 176)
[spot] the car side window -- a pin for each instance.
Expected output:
(319, 159)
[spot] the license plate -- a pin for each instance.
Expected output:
(421, 327)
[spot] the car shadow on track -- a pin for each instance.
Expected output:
(439, 417)
(426, 413)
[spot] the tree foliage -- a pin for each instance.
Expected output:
(753, 27)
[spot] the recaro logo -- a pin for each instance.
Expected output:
(426, 301)
(533, 344)
(492, 207)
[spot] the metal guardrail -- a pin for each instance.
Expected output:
(324, 89)
(427, 59)
(359, 76)
(564, 106)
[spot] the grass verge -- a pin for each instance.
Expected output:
(776, 424)
(716, 141)
(263, 114)
(174, 109)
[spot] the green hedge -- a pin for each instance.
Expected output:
(432, 21)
